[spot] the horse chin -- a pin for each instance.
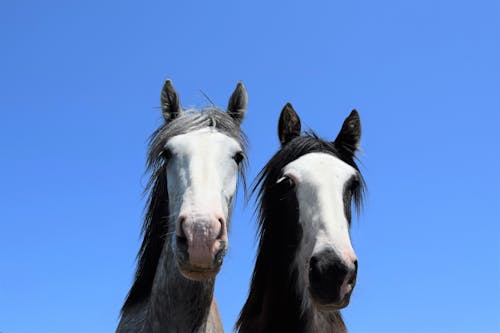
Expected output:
(199, 274)
(331, 307)
(321, 305)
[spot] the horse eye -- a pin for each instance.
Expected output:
(238, 157)
(166, 154)
(285, 184)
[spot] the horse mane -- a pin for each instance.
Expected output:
(279, 236)
(155, 227)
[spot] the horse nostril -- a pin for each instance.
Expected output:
(181, 234)
(313, 261)
(352, 278)
(314, 268)
(219, 255)
(354, 273)
(220, 235)
(181, 239)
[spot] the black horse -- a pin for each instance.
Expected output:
(306, 268)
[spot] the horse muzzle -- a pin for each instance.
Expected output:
(201, 245)
(331, 280)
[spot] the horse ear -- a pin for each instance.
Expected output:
(170, 106)
(349, 136)
(237, 106)
(288, 125)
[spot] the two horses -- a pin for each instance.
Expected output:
(305, 269)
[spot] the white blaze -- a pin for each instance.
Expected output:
(320, 180)
(202, 174)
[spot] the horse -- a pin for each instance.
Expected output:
(194, 160)
(305, 269)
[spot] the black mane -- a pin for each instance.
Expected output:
(155, 226)
(279, 235)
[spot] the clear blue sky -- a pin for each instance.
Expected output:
(79, 83)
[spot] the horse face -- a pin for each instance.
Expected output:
(326, 261)
(202, 171)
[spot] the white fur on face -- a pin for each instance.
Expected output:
(202, 174)
(319, 184)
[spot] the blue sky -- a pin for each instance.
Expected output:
(79, 84)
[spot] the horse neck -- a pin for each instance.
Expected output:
(273, 304)
(177, 304)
